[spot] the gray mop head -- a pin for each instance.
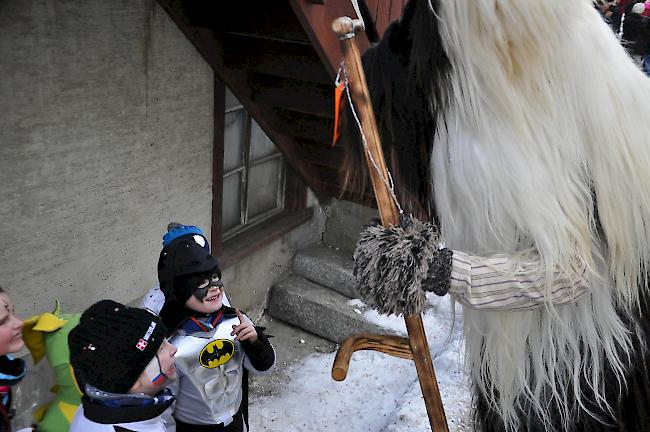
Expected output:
(392, 263)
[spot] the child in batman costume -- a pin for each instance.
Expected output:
(217, 345)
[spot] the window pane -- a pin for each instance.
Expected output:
(263, 187)
(233, 139)
(261, 145)
(231, 205)
(231, 100)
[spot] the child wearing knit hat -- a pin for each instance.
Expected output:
(122, 362)
(217, 345)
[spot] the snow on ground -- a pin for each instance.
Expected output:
(381, 393)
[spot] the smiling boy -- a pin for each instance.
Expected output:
(217, 345)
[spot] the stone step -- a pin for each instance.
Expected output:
(327, 267)
(318, 310)
(345, 221)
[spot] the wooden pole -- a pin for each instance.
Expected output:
(346, 28)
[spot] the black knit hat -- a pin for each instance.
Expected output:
(185, 253)
(112, 345)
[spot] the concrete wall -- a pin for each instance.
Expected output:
(249, 280)
(105, 136)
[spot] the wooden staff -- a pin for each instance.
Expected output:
(345, 27)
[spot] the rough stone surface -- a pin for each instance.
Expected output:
(105, 137)
(106, 134)
(317, 309)
(345, 221)
(328, 267)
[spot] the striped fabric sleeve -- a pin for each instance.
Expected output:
(490, 284)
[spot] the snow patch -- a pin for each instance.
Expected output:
(381, 393)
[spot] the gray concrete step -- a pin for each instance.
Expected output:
(317, 309)
(327, 267)
(345, 221)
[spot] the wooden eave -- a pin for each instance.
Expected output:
(280, 58)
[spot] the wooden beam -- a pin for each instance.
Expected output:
(296, 124)
(268, 24)
(321, 154)
(273, 57)
(382, 15)
(317, 19)
(389, 11)
(293, 95)
(396, 10)
(209, 44)
(258, 18)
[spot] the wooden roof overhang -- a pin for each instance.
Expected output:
(280, 59)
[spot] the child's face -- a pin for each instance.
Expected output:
(213, 299)
(11, 338)
(158, 372)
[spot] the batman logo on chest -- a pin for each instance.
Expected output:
(216, 353)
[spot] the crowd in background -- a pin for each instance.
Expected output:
(631, 21)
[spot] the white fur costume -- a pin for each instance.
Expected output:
(541, 152)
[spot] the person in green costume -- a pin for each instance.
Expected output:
(46, 335)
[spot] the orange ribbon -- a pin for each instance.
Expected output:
(339, 102)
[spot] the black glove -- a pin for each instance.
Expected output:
(260, 353)
(439, 274)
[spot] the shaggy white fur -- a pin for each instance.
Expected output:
(547, 111)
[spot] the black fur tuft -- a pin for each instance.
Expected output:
(407, 74)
